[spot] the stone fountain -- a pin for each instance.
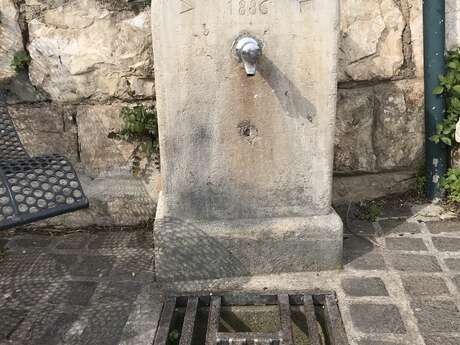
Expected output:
(246, 98)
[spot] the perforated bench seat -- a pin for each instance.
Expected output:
(33, 188)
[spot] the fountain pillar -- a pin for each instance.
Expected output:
(246, 140)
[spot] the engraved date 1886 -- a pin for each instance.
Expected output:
(248, 7)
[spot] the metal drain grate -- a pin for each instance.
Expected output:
(320, 312)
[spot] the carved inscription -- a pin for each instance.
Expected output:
(303, 3)
(249, 7)
(186, 6)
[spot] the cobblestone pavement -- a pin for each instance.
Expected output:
(400, 285)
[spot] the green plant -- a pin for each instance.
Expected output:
(369, 210)
(21, 61)
(140, 127)
(449, 86)
(451, 183)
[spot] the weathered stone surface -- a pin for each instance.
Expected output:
(10, 38)
(379, 127)
(452, 23)
(98, 152)
(372, 45)
(46, 128)
(419, 286)
(354, 126)
(81, 50)
(359, 287)
(440, 339)
(374, 318)
(399, 124)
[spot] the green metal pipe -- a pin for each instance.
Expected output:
(434, 49)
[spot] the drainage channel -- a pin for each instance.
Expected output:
(251, 319)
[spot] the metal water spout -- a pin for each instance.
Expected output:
(248, 50)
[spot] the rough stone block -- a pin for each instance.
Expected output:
(82, 50)
(74, 293)
(45, 129)
(419, 286)
(414, 263)
(437, 316)
(361, 287)
(409, 244)
(372, 40)
(376, 318)
(10, 38)
(10, 319)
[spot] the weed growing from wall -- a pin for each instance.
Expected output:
(451, 183)
(21, 61)
(140, 127)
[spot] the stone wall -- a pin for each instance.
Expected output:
(92, 57)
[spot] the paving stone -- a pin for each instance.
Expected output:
(366, 261)
(359, 287)
(110, 240)
(117, 292)
(55, 333)
(53, 266)
(73, 293)
(405, 243)
(396, 211)
(446, 244)
(374, 342)
(437, 316)
(94, 266)
(353, 243)
(16, 265)
(397, 226)
(78, 241)
(141, 240)
(105, 323)
(441, 340)
(10, 319)
(361, 227)
(33, 242)
(375, 318)
(443, 227)
(3, 244)
(414, 263)
(133, 265)
(456, 281)
(453, 264)
(25, 293)
(418, 286)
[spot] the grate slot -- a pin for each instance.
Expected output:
(213, 321)
(245, 336)
(285, 316)
(334, 321)
(189, 321)
(164, 325)
(312, 325)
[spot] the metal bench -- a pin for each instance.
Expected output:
(33, 188)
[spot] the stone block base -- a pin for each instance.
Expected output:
(193, 250)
